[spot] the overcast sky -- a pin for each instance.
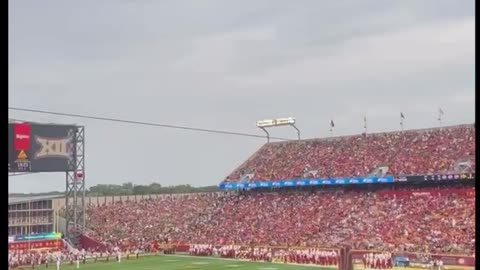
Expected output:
(224, 65)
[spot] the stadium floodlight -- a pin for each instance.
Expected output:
(278, 122)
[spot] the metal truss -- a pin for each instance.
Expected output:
(75, 187)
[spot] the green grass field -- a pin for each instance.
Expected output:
(177, 262)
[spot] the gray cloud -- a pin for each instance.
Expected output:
(219, 64)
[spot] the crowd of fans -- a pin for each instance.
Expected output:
(36, 257)
(363, 219)
(248, 224)
(404, 153)
(325, 257)
(17, 258)
(62, 256)
(135, 224)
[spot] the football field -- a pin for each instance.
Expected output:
(176, 262)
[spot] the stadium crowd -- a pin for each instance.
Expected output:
(66, 255)
(248, 224)
(384, 217)
(36, 257)
(404, 153)
(316, 256)
(321, 218)
(135, 224)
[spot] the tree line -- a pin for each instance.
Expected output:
(129, 189)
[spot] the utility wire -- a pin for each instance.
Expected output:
(20, 174)
(145, 123)
(16, 120)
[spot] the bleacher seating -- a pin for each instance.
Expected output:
(423, 221)
(404, 153)
(438, 220)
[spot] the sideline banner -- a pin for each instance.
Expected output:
(418, 258)
(307, 182)
(35, 245)
(37, 237)
(437, 177)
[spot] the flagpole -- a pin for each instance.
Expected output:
(401, 121)
(55, 225)
(365, 124)
(58, 222)
(331, 128)
(440, 114)
(29, 223)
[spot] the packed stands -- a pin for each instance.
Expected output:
(426, 220)
(134, 224)
(410, 152)
(358, 218)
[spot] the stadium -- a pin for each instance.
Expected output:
(367, 201)
(249, 135)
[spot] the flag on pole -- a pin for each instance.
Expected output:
(440, 114)
(402, 117)
(332, 124)
(365, 121)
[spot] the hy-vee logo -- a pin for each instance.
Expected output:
(53, 148)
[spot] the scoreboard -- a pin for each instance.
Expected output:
(36, 147)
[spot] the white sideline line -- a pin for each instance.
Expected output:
(240, 260)
(213, 258)
(200, 263)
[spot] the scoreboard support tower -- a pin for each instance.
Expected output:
(75, 189)
(36, 148)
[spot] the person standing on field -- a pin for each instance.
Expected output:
(58, 263)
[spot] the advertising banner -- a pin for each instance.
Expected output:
(417, 259)
(35, 245)
(438, 177)
(307, 182)
(37, 237)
